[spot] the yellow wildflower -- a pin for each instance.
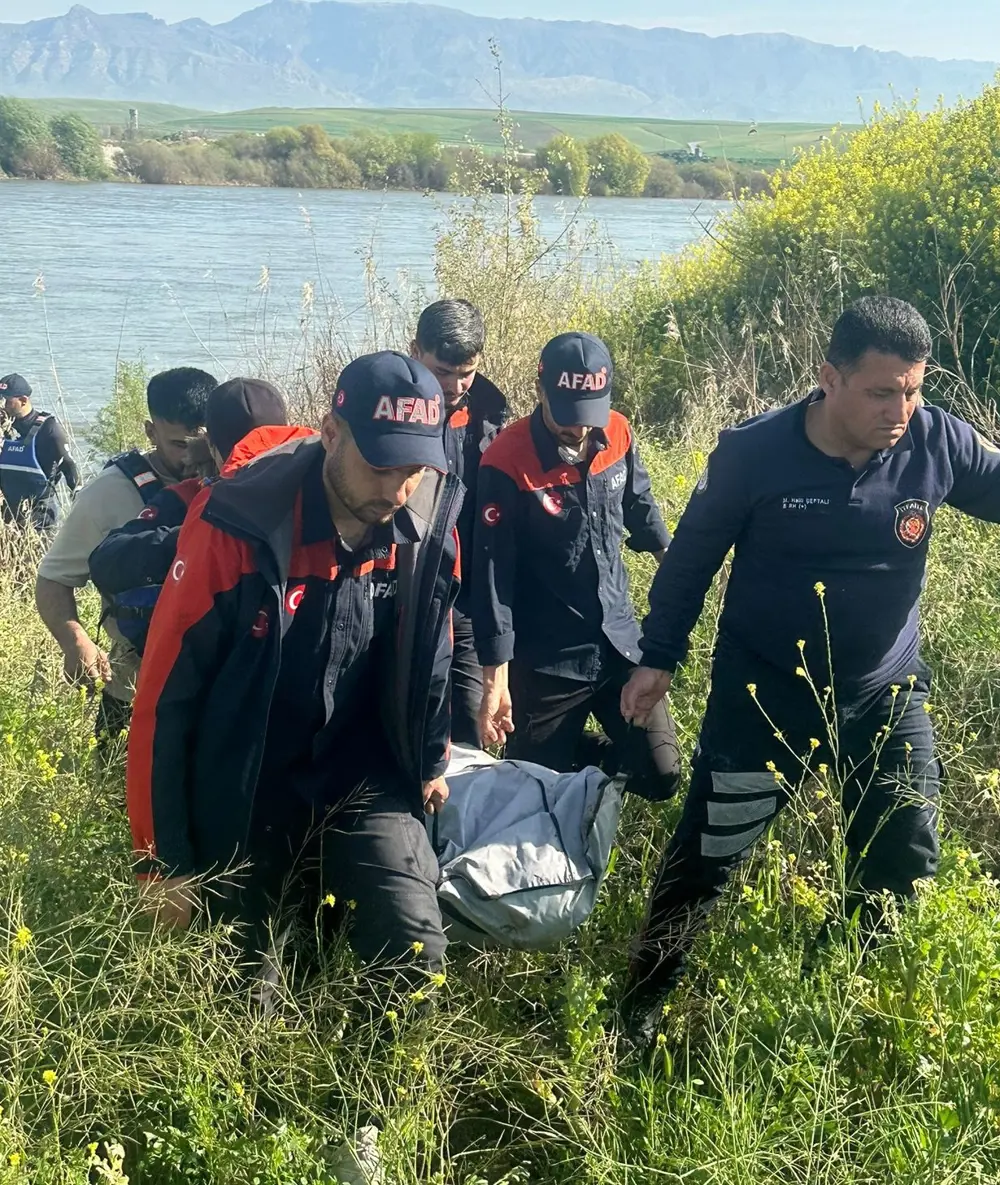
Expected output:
(22, 939)
(14, 1159)
(752, 688)
(330, 900)
(417, 947)
(801, 672)
(352, 904)
(820, 588)
(801, 643)
(49, 1077)
(813, 743)
(438, 979)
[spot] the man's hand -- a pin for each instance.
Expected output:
(496, 719)
(170, 901)
(435, 795)
(86, 664)
(642, 693)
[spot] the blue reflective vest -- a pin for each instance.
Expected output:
(23, 482)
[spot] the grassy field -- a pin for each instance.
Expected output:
(771, 143)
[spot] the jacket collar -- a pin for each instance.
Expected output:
(547, 447)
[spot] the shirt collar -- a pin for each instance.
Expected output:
(318, 527)
(24, 424)
(547, 447)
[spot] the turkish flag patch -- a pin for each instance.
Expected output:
(913, 518)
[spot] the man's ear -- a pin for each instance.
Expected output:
(539, 390)
(150, 432)
(414, 349)
(828, 377)
(329, 432)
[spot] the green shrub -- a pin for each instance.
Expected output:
(79, 147)
(908, 205)
(566, 164)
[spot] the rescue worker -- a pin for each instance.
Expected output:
(449, 341)
(293, 707)
(550, 597)
(32, 461)
(828, 504)
(176, 404)
(243, 417)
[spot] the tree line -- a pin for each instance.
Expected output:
(306, 157)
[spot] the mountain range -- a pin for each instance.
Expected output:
(329, 53)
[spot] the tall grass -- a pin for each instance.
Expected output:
(128, 1053)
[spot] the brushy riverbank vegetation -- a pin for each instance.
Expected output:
(306, 157)
(125, 1053)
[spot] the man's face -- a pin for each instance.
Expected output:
(455, 377)
(15, 406)
(176, 446)
(872, 404)
(372, 495)
(573, 436)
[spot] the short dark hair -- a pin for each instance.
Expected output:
(178, 396)
(881, 323)
(452, 330)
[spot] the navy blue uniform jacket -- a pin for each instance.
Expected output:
(549, 585)
(797, 518)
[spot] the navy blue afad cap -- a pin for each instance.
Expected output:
(576, 370)
(15, 386)
(395, 410)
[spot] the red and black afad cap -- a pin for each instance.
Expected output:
(15, 386)
(576, 372)
(395, 410)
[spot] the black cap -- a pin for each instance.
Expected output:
(238, 406)
(394, 407)
(15, 386)
(576, 372)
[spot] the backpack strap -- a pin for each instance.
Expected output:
(138, 470)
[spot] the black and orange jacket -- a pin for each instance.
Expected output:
(469, 430)
(208, 675)
(142, 551)
(549, 586)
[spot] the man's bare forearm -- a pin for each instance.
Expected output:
(58, 609)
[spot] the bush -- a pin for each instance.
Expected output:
(25, 140)
(663, 181)
(908, 205)
(618, 168)
(566, 164)
(120, 424)
(79, 147)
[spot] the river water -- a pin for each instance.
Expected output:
(222, 278)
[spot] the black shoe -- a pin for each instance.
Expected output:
(646, 996)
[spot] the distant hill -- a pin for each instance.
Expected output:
(292, 53)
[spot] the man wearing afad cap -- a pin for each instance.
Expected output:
(292, 709)
(557, 492)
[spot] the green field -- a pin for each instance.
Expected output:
(768, 145)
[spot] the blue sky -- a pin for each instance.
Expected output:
(956, 28)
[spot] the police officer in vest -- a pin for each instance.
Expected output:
(34, 458)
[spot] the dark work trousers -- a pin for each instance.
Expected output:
(371, 852)
(466, 684)
(550, 715)
(884, 763)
